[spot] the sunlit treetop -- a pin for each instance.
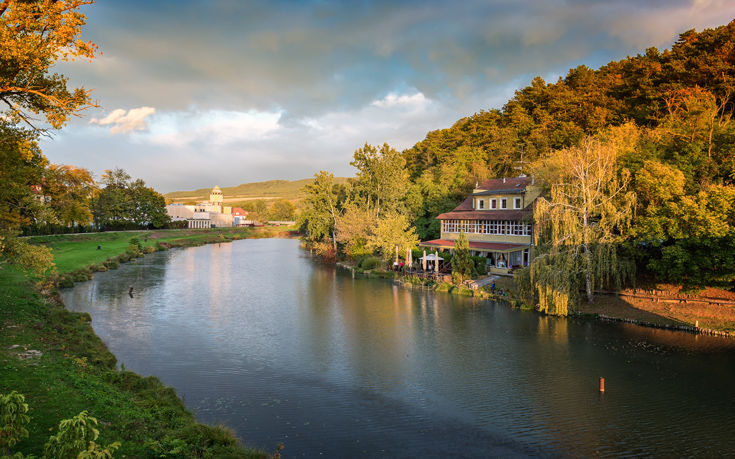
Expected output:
(35, 35)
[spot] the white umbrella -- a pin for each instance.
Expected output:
(410, 257)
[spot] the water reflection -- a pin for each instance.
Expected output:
(258, 336)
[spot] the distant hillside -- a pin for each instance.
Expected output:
(272, 189)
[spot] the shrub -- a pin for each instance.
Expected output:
(81, 276)
(112, 264)
(13, 419)
(370, 262)
(149, 249)
(66, 282)
(76, 439)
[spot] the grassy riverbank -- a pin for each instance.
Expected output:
(75, 371)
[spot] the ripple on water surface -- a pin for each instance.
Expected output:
(256, 335)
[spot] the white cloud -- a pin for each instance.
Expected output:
(404, 100)
(213, 127)
(125, 121)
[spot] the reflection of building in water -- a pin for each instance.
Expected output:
(205, 214)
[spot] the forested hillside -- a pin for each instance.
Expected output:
(637, 157)
(673, 109)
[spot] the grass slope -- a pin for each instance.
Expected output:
(76, 370)
(270, 189)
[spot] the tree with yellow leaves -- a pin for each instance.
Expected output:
(579, 227)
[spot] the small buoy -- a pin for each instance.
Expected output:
(602, 384)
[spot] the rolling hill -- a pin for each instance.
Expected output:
(271, 189)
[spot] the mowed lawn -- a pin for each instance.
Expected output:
(73, 252)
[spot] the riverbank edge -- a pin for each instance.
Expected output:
(482, 293)
(180, 435)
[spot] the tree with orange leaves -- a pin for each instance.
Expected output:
(35, 35)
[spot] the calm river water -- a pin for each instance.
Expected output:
(256, 335)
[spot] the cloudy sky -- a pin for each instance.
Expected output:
(198, 93)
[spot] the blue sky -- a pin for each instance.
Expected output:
(198, 93)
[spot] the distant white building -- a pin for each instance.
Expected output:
(204, 214)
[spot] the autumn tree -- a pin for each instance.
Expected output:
(354, 227)
(34, 36)
(391, 231)
(580, 225)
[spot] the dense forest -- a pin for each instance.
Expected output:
(664, 121)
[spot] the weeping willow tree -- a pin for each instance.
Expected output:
(579, 228)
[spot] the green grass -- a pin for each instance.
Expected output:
(77, 372)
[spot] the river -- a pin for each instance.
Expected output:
(256, 335)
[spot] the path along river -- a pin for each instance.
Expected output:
(256, 335)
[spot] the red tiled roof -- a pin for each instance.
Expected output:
(502, 246)
(239, 211)
(519, 214)
(505, 184)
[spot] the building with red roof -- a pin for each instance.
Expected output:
(497, 220)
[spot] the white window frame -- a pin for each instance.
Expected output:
(517, 202)
(503, 203)
(493, 204)
(481, 204)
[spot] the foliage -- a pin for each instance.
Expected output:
(35, 35)
(579, 226)
(73, 437)
(381, 178)
(391, 231)
(282, 210)
(463, 267)
(354, 227)
(370, 262)
(36, 260)
(322, 205)
(13, 419)
(124, 202)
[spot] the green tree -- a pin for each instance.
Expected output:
(463, 267)
(281, 210)
(381, 178)
(391, 231)
(580, 226)
(13, 420)
(148, 206)
(69, 191)
(125, 202)
(321, 208)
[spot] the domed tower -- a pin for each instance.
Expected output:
(215, 196)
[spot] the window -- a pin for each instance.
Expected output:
(481, 204)
(504, 203)
(516, 203)
(493, 203)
